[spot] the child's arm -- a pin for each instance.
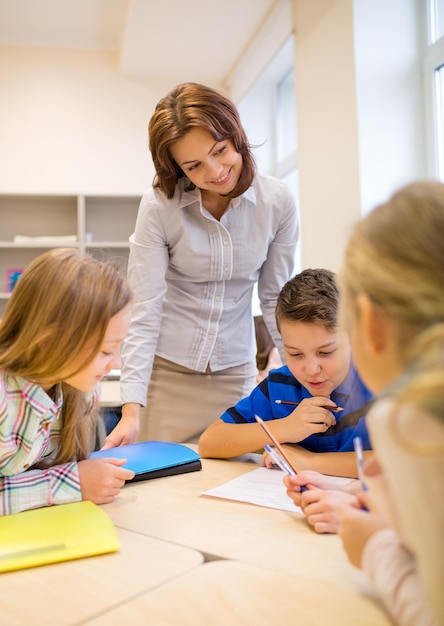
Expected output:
(62, 484)
(331, 463)
(390, 566)
(33, 489)
(222, 440)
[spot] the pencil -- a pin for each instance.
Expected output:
(276, 443)
(324, 406)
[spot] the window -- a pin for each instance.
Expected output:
(268, 114)
(436, 21)
(434, 86)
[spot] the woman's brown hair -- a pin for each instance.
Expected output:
(188, 106)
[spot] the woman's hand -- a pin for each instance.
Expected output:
(101, 479)
(356, 526)
(127, 429)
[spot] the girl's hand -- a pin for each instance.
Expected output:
(101, 479)
(321, 500)
(356, 526)
(321, 508)
(315, 480)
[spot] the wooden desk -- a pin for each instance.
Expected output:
(279, 571)
(69, 593)
(172, 509)
(222, 593)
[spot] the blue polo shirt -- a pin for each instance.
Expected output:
(352, 395)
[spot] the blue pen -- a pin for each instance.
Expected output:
(279, 461)
(357, 443)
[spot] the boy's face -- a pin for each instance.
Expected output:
(317, 357)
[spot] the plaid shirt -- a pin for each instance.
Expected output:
(29, 433)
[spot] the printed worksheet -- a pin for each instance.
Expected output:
(262, 486)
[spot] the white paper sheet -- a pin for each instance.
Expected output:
(262, 486)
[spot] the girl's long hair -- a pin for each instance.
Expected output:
(395, 255)
(60, 308)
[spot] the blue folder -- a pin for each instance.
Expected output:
(154, 459)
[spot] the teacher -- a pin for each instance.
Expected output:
(207, 231)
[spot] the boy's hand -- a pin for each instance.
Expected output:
(308, 418)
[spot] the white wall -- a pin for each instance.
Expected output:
(70, 124)
(327, 128)
(360, 122)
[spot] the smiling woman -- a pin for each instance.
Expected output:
(208, 231)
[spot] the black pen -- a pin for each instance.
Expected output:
(323, 406)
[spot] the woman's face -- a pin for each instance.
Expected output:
(211, 165)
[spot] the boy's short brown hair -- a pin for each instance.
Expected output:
(312, 297)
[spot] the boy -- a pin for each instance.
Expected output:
(316, 400)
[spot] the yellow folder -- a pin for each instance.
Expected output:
(55, 533)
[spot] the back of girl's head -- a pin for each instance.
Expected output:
(395, 255)
(60, 306)
(189, 106)
(312, 297)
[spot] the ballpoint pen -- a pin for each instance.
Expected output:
(324, 406)
(279, 461)
(282, 456)
(357, 444)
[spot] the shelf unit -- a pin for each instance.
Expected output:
(101, 226)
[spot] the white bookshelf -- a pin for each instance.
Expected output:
(99, 225)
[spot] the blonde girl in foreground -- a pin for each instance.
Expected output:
(60, 334)
(393, 294)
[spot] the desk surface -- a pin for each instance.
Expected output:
(173, 509)
(68, 593)
(276, 563)
(231, 592)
